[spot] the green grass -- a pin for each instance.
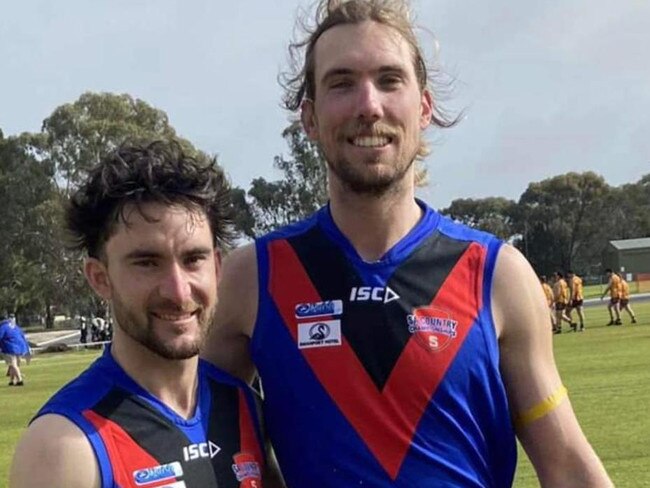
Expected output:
(607, 371)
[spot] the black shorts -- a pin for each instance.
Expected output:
(624, 302)
(576, 303)
(613, 301)
(560, 306)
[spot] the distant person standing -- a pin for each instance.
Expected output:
(548, 293)
(625, 299)
(614, 289)
(577, 300)
(13, 346)
(83, 330)
(561, 299)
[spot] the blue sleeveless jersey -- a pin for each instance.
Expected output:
(140, 442)
(382, 374)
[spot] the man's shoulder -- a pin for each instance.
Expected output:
(54, 451)
(460, 231)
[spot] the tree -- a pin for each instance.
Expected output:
(77, 135)
(492, 214)
(560, 220)
(269, 205)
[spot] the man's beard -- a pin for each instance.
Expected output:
(145, 333)
(361, 183)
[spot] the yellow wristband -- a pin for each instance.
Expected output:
(542, 409)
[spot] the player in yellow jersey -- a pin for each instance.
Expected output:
(576, 301)
(561, 298)
(548, 293)
(625, 298)
(614, 289)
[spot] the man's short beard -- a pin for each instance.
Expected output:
(372, 187)
(144, 333)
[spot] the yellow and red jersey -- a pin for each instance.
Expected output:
(549, 293)
(625, 290)
(561, 291)
(614, 286)
(576, 288)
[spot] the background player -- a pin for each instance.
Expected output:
(561, 300)
(548, 293)
(576, 301)
(614, 289)
(625, 298)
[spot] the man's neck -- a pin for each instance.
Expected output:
(374, 224)
(173, 382)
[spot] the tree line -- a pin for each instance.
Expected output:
(558, 223)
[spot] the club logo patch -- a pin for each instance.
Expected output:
(319, 309)
(319, 334)
(247, 470)
(159, 473)
(433, 328)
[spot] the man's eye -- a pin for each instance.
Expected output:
(340, 84)
(194, 260)
(390, 81)
(145, 263)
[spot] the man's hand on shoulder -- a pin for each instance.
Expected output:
(54, 453)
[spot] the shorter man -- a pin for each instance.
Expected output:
(561, 299)
(625, 298)
(13, 346)
(548, 293)
(614, 289)
(152, 221)
(577, 300)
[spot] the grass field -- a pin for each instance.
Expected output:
(606, 369)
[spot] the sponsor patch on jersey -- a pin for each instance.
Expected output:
(325, 333)
(159, 473)
(177, 484)
(319, 309)
(433, 328)
(247, 470)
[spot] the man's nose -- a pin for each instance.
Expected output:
(369, 102)
(175, 285)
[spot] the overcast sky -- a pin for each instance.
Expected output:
(546, 86)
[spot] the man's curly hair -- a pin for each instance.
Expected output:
(156, 172)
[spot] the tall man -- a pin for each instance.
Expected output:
(614, 289)
(151, 220)
(576, 301)
(391, 344)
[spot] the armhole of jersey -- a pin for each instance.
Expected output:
(262, 258)
(493, 247)
(95, 440)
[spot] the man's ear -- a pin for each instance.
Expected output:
(426, 110)
(217, 264)
(308, 119)
(97, 277)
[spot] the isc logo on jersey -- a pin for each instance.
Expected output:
(201, 450)
(159, 473)
(372, 294)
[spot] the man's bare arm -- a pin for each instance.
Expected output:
(555, 443)
(228, 340)
(54, 453)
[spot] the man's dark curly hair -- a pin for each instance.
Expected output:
(136, 174)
